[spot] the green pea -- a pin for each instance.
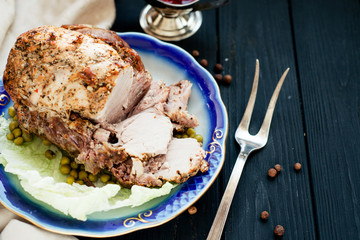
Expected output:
(74, 173)
(82, 167)
(185, 136)
(199, 138)
(27, 136)
(74, 165)
(104, 178)
(17, 132)
(10, 136)
(64, 160)
(82, 175)
(65, 169)
(178, 136)
(13, 125)
(12, 111)
(46, 142)
(50, 154)
(93, 177)
(110, 182)
(191, 132)
(15, 118)
(70, 180)
(18, 140)
(81, 182)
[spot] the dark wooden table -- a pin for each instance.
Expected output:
(316, 121)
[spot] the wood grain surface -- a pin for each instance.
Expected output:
(328, 56)
(316, 120)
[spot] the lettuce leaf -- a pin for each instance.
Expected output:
(41, 178)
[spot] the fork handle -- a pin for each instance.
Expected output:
(223, 210)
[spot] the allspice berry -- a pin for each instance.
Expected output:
(227, 79)
(297, 166)
(218, 68)
(279, 230)
(195, 53)
(272, 172)
(204, 62)
(192, 210)
(277, 167)
(264, 215)
(218, 77)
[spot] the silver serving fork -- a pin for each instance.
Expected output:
(248, 143)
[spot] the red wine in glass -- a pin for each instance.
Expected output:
(177, 1)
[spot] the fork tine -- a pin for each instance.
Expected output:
(265, 126)
(245, 121)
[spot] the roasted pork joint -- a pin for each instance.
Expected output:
(86, 91)
(64, 71)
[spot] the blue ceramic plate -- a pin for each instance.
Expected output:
(170, 63)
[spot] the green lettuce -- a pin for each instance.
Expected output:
(41, 178)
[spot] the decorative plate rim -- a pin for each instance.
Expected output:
(218, 138)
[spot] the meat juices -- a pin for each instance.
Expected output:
(88, 92)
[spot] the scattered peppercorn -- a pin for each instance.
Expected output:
(279, 231)
(227, 79)
(192, 210)
(195, 53)
(204, 62)
(218, 77)
(264, 215)
(272, 172)
(218, 68)
(297, 166)
(277, 167)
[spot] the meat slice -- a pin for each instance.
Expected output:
(176, 106)
(144, 135)
(184, 158)
(64, 71)
(158, 94)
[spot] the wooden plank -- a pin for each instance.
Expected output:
(327, 37)
(261, 29)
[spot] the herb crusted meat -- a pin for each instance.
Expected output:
(87, 91)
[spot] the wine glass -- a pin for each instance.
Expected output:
(174, 20)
